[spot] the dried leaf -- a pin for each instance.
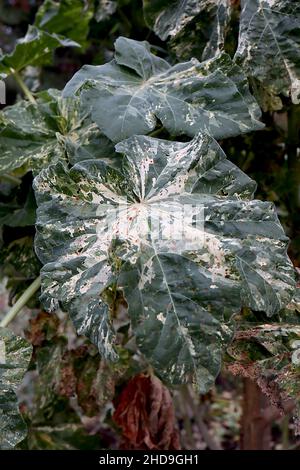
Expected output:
(146, 415)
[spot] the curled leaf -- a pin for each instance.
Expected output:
(146, 415)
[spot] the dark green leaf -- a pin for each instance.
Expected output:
(128, 95)
(69, 18)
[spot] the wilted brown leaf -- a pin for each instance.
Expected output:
(145, 413)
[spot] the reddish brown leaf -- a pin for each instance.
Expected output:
(145, 412)
(43, 327)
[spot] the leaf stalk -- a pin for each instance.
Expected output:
(23, 87)
(21, 302)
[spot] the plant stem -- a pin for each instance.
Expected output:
(23, 87)
(21, 302)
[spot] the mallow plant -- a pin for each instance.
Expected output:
(146, 234)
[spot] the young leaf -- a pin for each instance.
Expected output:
(172, 19)
(15, 354)
(69, 18)
(128, 95)
(34, 49)
(269, 44)
(181, 291)
(35, 135)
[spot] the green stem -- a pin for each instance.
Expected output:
(21, 302)
(23, 87)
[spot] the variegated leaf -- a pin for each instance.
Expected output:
(182, 288)
(128, 95)
(34, 49)
(191, 25)
(15, 354)
(269, 44)
(35, 135)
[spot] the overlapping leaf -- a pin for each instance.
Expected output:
(34, 49)
(182, 291)
(128, 95)
(173, 19)
(34, 135)
(69, 18)
(15, 355)
(269, 44)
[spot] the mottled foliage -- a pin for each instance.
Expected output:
(181, 292)
(15, 355)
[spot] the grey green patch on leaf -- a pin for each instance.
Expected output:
(93, 236)
(15, 354)
(129, 94)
